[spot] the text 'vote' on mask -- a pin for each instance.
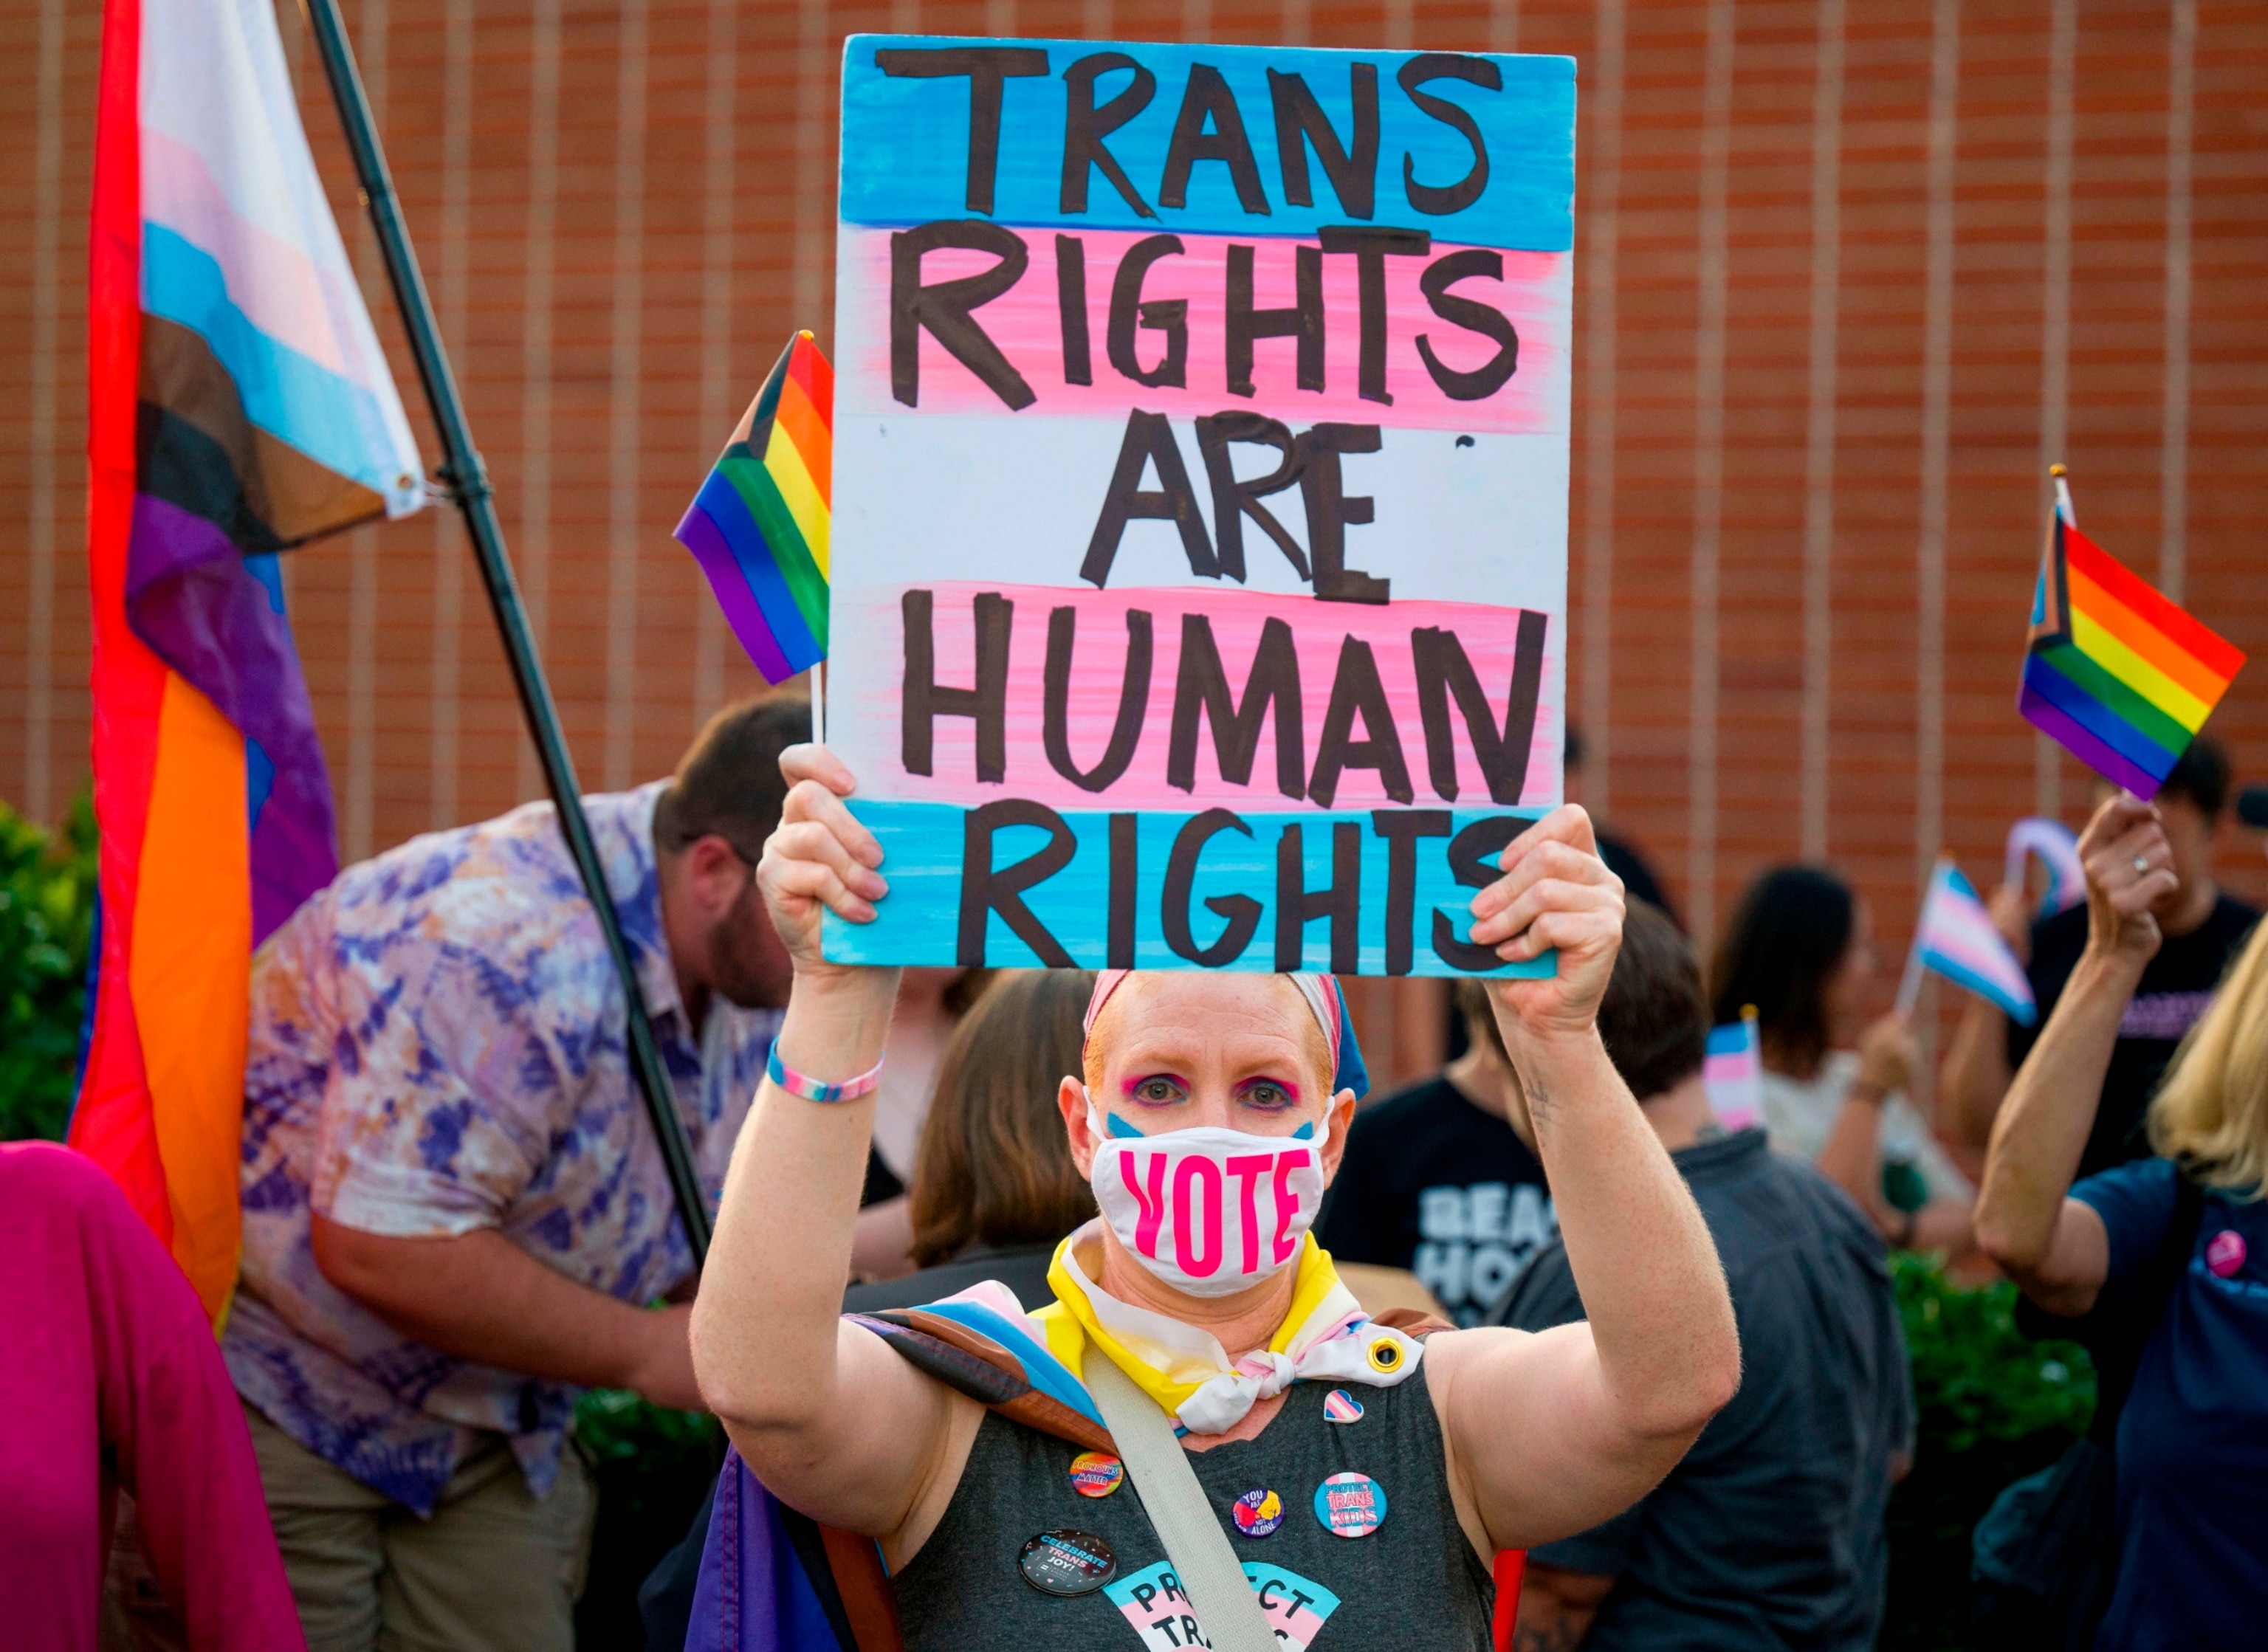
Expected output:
(1209, 1211)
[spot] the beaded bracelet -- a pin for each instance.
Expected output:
(817, 1089)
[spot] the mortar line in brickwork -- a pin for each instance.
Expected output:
(1936, 440)
(449, 550)
(1504, 25)
(718, 224)
(532, 544)
(358, 823)
(2174, 429)
(624, 404)
(814, 89)
(2055, 323)
(1599, 389)
(46, 330)
(1712, 233)
(1819, 455)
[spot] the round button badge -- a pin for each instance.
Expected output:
(2224, 1254)
(1067, 1563)
(1351, 1505)
(1340, 1406)
(1096, 1474)
(1259, 1512)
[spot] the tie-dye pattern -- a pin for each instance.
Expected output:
(437, 1046)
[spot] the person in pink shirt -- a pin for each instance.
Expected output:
(110, 1380)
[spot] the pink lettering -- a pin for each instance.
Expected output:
(1248, 1168)
(1151, 1205)
(1287, 1203)
(1198, 1263)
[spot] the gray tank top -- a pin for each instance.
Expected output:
(1414, 1581)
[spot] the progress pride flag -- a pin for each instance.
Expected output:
(1199, 556)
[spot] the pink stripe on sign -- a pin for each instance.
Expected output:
(1026, 322)
(1327, 640)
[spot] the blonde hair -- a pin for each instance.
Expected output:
(2212, 1113)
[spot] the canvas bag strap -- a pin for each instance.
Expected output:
(1179, 1511)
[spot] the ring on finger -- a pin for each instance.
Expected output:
(2141, 863)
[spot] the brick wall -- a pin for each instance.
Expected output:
(1849, 277)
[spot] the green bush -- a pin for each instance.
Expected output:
(47, 923)
(1990, 1407)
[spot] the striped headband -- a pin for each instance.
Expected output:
(1325, 1002)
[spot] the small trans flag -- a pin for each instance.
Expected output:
(2057, 846)
(1956, 938)
(1734, 1070)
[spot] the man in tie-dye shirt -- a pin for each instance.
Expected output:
(455, 1213)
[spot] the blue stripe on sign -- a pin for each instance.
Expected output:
(905, 144)
(919, 921)
(293, 398)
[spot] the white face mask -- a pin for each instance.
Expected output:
(1209, 1211)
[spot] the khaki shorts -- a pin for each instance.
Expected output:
(495, 1569)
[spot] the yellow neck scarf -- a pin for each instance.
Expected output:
(1324, 1335)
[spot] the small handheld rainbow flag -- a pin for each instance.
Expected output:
(2121, 677)
(758, 526)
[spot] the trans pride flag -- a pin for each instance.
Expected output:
(2121, 677)
(238, 403)
(1733, 1068)
(1956, 938)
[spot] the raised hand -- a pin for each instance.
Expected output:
(2010, 908)
(2130, 870)
(1887, 1053)
(1556, 892)
(820, 859)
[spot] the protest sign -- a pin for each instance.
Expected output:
(1198, 573)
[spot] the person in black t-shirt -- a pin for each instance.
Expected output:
(2203, 930)
(1436, 1181)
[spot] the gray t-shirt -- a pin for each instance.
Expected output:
(1770, 1533)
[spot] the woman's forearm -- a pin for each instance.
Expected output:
(2044, 1125)
(1974, 1077)
(1643, 1262)
(765, 1325)
(1852, 1157)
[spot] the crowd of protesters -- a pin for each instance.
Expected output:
(1659, 1354)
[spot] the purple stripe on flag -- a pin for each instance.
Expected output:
(702, 537)
(192, 600)
(2083, 746)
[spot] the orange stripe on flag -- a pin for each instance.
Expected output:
(190, 977)
(2083, 557)
(809, 368)
(813, 439)
(2144, 639)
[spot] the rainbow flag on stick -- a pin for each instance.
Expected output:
(2116, 674)
(238, 403)
(758, 526)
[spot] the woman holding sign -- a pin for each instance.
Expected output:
(1360, 1479)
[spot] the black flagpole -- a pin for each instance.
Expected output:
(468, 478)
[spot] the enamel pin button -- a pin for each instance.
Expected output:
(1351, 1505)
